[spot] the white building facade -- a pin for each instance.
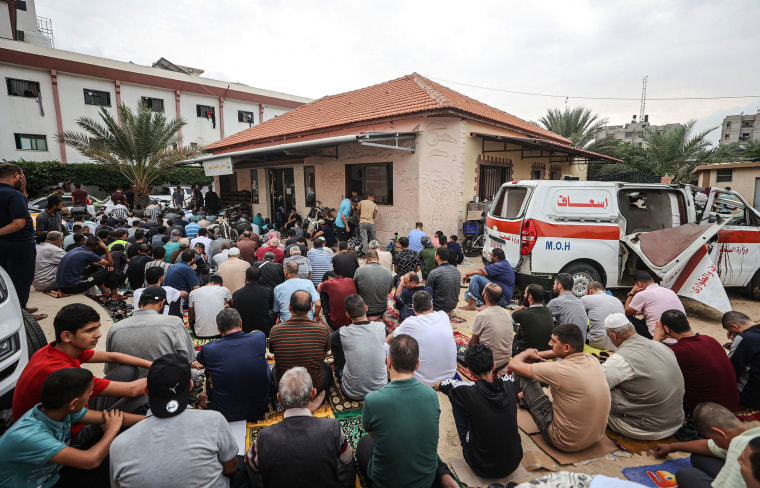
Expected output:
(740, 128)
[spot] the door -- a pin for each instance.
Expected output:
(504, 222)
(282, 193)
(756, 201)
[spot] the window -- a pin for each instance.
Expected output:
(31, 142)
(155, 104)
(204, 111)
(726, 137)
(744, 137)
(227, 184)
(308, 184)
(254, 186)
(629, 135)
(728, 124)
(22, 88)
(536, 174)
(19, 35)
(491, 179)
(510, 204)
(21, 5)
(554, 175)
(96, 97)
(748, 123)
(375, 179)
(723, 175)
(246, 117)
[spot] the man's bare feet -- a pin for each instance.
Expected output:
(317, 402)
(203, 400)
(31, 309)
(468, 308)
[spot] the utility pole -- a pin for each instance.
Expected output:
(643, 98)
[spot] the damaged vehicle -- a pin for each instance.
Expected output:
(696, 242)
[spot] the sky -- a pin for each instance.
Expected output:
(570, 49)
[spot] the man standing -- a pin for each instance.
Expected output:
(178, 454)
(51, 219)
(432, 331)
(651, 300)
(333, 292)
(301, 449)
(485, 415)
(401, 450)
(237, 370)
(367, 212)
(345, 263)
(178, 198)
(320, 260)
(744, 355)
(212, 201)
(493, 327)
(444, 281)
(499, 272)
(300, 341)
(233, 271)
(78, 196)
(49, 256)
(427, 258)
(415, 237)
(205, 303)
(645, 382)
(566, 307)
(707, 372)
(283, 293)
(341, 220)
(599, 305)
(373, 283)
(254, 303)
(576, 415)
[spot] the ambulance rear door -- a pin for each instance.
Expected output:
(505, 218)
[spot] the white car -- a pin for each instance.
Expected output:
(38, 204)
(20, 337)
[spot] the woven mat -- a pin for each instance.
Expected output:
(253, 428)
(657, 475)
(636, 445)
(198, 342)
(463, 371)
(339, 401)
(56, 293)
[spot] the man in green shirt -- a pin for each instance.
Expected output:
(401, 449)
(427, 257)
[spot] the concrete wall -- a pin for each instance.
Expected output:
(740, 128)
(742, 181)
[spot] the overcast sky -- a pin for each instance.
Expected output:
(688, 48)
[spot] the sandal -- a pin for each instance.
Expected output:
(32, 309)
(40, 316)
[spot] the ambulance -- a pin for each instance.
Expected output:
(693, 241)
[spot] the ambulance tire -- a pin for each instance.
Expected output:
(583, 274)
(754, 286)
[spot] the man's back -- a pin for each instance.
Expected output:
(745, 358)
(285, 290)
(345, 264)
(494, 328)
(373, 283)
(232, 272)
(247, 250)
(598, 306)
(300, 342)
(239, 375)
(178, 453)
(445, 281)
(653, 301)
(304, 265)
(272, 274)
(136, 270)
(321, 262)
(415, 238)
(535, 325)
(253, 302)
(149, 335)
(438, 351)
(207, 301)
(568, 309)
(405, 446)
(365, 370)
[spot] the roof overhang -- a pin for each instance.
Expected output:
(555, 152)
(313, 148)
(731, 165)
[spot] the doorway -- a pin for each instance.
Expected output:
(756, 200)
(282, 193)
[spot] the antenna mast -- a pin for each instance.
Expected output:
(643, 98)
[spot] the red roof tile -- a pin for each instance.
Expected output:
(411, 94)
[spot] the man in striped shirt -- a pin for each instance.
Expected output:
(321, 261)
(301, 341)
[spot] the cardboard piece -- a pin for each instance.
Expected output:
(597, 450)
(538, 459)
(525, 422)
(471, 480)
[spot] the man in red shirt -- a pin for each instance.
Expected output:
(333, 292)
(707, 372)
(79, 196)
(77, 330)
(274, 247)
(118, 197)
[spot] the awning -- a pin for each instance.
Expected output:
(312, 148)
(557, 153)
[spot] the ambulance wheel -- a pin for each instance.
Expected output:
(583, 274)
(754, 286)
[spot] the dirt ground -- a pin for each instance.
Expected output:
(703, 320)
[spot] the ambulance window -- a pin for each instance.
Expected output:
(510, 203)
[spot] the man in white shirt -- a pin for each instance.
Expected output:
(119, 212)
(49, 255)
(202, 237)
(432, 330)
(205, 303)
(154, 276)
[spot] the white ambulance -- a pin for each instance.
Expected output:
(696, 243)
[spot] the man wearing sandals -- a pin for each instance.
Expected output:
(82, 269)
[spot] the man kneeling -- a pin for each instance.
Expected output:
(577, 418)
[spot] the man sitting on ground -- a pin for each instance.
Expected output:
(233, 271)
(272, 274)
(499, 272)
(49, 256)
(485, 415)
(650, 300)
(320, 260)
(223, 254)
(533, 322)
(359, 351)
(714, 461)
(181, 276)
(81, 269)
(408, 285)
(283, 293)
(749, 463)
(444, 280)
(566, 307)
(707, 372)
(576, 416)
(35, 448)
(238, 374)
(154, 276)
(205, 303)
(405, 260)
(304, 265)
(300, 341)
(492, 327)
(345, 262)
(272, 246)
(333, 292)
(401, 450)
(301, 449)
(599, 305)
(247, 247)
(384, 257)
(373, 283)
(456, 255)
(744, 355)
(179, 453)
(136, 270)
(432, 331)
(645, 383)
(254, 303)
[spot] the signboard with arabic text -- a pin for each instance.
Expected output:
(575, 201)
(217, 167)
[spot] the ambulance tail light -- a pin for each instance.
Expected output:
(528, 237)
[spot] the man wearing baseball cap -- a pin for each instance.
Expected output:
(168, 448)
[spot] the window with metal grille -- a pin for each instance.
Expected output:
(371, 179)
(21, 5)
(204, 111)
(97, 97)
(309, 184)
(246, 117)
(155, 104)
(491, 178)
(724, 175)
(31, 142)
(22, 88)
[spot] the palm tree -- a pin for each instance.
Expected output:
(751, 150)
(579, 124)
(142, 147)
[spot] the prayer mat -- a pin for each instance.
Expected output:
(636, 445)
(470, 480)
(339, 401)
(601, 354)
(463, 371)
(253, 428)
(657, 475)
(56, 293)
(456, 319)
(198, 342)
(748, 414)
(595, 451)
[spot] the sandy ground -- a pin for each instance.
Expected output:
(703, 320)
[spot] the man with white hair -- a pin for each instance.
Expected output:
(49, 255)
(304, 265)
(301, 448)
(386, 258)
(223, 253)
(272, 246)
(646, 384)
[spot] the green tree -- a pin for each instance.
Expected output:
(578, 124)
(143, 147)
(751, 150)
